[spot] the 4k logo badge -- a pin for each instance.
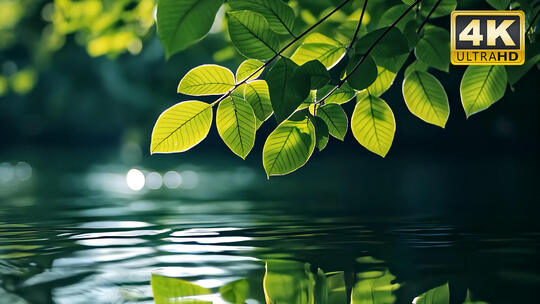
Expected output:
(487, 37)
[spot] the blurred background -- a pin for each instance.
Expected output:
(81, 200)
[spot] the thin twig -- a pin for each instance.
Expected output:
(281, 51)
(532, 22)
(428, 15)
(353, 40)
(342, 81)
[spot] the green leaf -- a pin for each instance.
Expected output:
(181, 127)
(384, 81)
(342, 95)
(392, 44)
(208, 79)
(394, 64)
(482, 86)
(321, 132)
(235, 292)
(256, 93)
(364, 76)
(236, 125)
(287, 88)
(374, 287)
(335, 118)
(425, 97)
(169, 290)
(393, 13)
(499, 4)
(308, 101)
(444, 8)
(183, 23)
(247, 68)
(434, 48)
(279, 15)
(319, 47)
(288, 147)
(373, 124)
(416, 66)
(317, 73)
(532, 57)
(251, 35)
(437, 295)
(239, 91)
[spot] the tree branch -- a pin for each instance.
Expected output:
(353, 40)
(428, 15)
(281, 51)
(342, 81)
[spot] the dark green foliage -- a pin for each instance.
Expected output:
(323, 66)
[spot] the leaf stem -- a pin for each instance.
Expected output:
(428, 15)
(296, 38)
(353, 40)
(342, 81)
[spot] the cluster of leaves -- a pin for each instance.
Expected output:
(305, 91)
(294, 282)
(103, 27)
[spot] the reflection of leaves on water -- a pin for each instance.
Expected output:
(437, 295)
(374, 287)
(168, 290)
(293, 282)
(235, 292)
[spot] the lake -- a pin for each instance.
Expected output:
(79, 228)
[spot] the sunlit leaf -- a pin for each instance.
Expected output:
(251, 35)
(239, 91)
(393, 43)
(482, 86)
(373, 124)
(385, 79)
(288, 282)
(247, 68)
(181, 127)
(335, 118)
(288, 147)
(434, 48)
(425, 97)
(235, 292)
(236, 125)
(279, 15)
(208, 79)
(319, 47)
(364, 75)
(183, 23)
(287, 88)
(437, 295)
(256, 93)
(374, 287)
(342, 95)
(321, 132)
(171, 290)
(317, 73)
